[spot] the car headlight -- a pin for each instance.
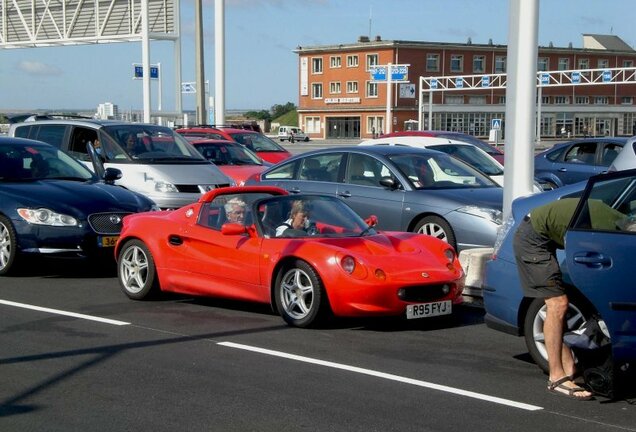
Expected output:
(502, 232)
(161, 186)
(492, 215)
(43, 216)
(155, 207)
(348, 264)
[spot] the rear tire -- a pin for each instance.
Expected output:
(136, 271)
(576, 316)
(9, 256)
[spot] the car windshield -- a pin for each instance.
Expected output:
(149, 144)
(472, 156)
(228, 154)
(439, 171)
(38, 162)
(256, 142)
(308, 216)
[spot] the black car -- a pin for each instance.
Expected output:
(51, 204)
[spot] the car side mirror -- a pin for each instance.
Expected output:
(388, 182)
(233, 228)
(111, 175)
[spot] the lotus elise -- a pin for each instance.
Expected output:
(230, 244)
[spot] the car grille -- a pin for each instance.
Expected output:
(190, 188)
(424, 293)
(106, 223)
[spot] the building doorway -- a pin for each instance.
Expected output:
(343, 127)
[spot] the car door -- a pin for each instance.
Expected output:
(579, 162)
(600, 256)
(315, 173)
(362, 191)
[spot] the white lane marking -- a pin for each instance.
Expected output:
(61, 312)
(388, 376)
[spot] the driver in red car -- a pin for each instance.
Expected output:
(298, 219)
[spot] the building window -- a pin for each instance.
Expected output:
(545, 100)
(316, 65)
(335, 62)
(582, 100)
(564, 63)
(500, 64)
(352, 86)
(372, 89)
(603, 63)
(584, 63)
(375, 126)
(352, 61)
(454, 100)
(627, 100)
(316, 91)
(432, 62)
(312, 125)
(543, 64)
(477, 100)
(628, 63)
(479, 63)
(334, 87)
(502, 100)
(457, 63)
(561, 100)
(372, 60)
(601, 100)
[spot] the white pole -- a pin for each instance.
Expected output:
(219, 62)
(159, 83)
(420, 101)
(389, 90)
(145, 56)
(430, 110)
(539, 91)
(521, 94)
(177, 57)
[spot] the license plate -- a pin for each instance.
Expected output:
(425, 310)
(107, 241)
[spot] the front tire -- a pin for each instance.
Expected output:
(136, 271)
(437, 227)
(575, 318)
(9, 257)
(299, 294)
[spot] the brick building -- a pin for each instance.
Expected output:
(337, 98)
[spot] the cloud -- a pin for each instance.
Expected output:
(38, 69)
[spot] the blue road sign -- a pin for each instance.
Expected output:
(139, 71)
(607, 76)
(576, 77)
(485, 81)
(433, 83)
(459, 82)
(495, 124)
(398, 73)
(545, 79)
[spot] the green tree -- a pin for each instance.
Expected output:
(259, 115)
(278, 110)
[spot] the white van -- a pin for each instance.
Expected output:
(286, 133)
(154, 160)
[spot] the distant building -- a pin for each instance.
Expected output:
(107, 111)
(337, 98)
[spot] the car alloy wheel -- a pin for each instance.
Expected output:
(136, 271)
(299, 294)
(8, 247)
(437, 227)
(575, 318)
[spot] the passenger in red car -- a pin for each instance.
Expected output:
(235, 210)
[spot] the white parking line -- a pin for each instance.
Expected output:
(61, 312)
(387, 376)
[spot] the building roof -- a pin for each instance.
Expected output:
(606, 42)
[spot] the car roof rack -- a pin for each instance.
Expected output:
(246, 126)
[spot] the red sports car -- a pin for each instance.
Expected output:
(306, 255)
(234, 160)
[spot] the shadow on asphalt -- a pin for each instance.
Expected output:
(72, 268)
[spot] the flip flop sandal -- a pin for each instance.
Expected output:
(558, 388)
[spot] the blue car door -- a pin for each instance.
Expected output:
(580, 162)
(362, 191)
(600, 255)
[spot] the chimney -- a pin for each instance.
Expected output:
(490, 42)
(378, 38)
(363, 39)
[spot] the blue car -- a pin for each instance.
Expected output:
(575, 161)
(596, 267)
(51, 204)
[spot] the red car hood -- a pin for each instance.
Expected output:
(274, 157)
(240, 173)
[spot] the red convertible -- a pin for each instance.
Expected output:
(306, 255)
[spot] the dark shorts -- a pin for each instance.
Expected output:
(537, 264)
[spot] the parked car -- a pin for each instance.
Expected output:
(286, 133)
(266, 148)
(457, 136)
(51, 204)
(154, 160)
(409, 189)
(596, 266)
(469, 153)
(575, 161)
(234, 160)
(342, 266)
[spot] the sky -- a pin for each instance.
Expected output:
(260, 36)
